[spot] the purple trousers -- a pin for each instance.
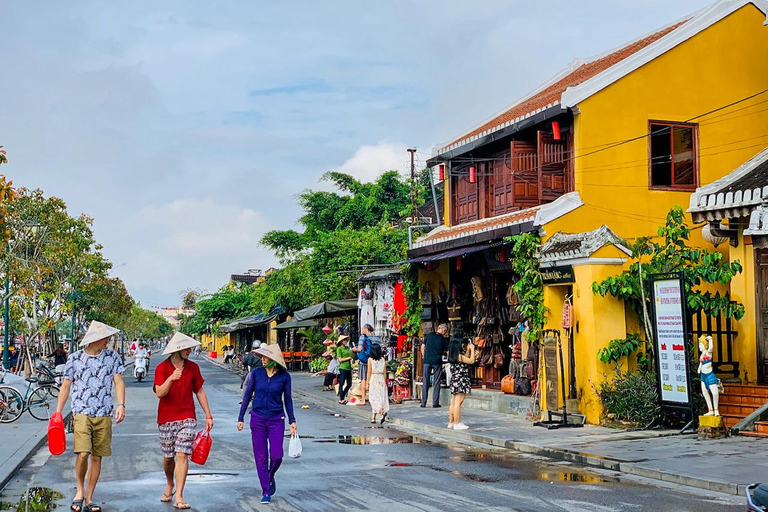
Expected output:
(268, 458)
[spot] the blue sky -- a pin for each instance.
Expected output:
(186, 128)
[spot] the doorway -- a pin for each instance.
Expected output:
(761, 269)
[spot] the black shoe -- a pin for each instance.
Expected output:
(272, 487)
(436, 406)
(423, 405)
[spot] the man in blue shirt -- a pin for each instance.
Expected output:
(432, 350)
(363, 349)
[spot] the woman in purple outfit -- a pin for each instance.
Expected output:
(270, 389)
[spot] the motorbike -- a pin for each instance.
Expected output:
(140, 368)
(757, 498)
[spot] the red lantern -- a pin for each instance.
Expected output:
(459, 262)
(502, 254)
(327, 329)
(473, 174)
(441, 172)
(556, 130)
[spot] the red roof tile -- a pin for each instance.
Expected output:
(478, 226)
(551, 94)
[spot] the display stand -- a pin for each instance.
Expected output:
(551, 424)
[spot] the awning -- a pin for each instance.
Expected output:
(380, 274)
(461, 251)
(247, 322)
(329, 308)
(296, 324)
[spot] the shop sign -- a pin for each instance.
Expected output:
(557, 275)
(670, 328)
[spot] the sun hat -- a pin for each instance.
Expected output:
(97, 331)
(273, 352)
(180, 342)
(343, 338)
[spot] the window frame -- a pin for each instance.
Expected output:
(673, 124)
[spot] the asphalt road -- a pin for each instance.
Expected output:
(347, 464)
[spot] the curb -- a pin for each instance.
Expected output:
(585, 459)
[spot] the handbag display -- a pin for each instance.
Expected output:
(508, 385)
(442, 293)
(454, 311)
(477, 288)
(426, 294)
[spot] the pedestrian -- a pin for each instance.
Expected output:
(229, 354)
(59, 357)
(461, 385)
(251, 361)
(332, 371)
(90, 374)
(363, 349)
(377, 384)
(432, 350)
(344, 357)
(177, 381)
(270, 389)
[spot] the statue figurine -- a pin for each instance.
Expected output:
(709, 381)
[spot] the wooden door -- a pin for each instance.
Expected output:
(465, 199)
(525, 173)
(502, 181)
(761, 269)
(553, 161)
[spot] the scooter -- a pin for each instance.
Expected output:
(140, 368)
(757, 498)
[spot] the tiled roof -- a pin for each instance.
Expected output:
(536, 215)
(734, 195)
(758, 221)
(551, 94)
(567, 246)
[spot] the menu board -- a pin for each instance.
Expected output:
(669, 313)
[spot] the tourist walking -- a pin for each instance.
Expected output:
(177, 381)
(90, 374)
(363, 349)
(432, 350)
(344, 356)
(270, 389)
(251, 361)
(377, 384)
(461, 385)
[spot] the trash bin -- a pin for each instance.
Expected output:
(212, 354)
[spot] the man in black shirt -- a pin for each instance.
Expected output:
(432, 350)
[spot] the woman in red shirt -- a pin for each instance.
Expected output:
(177, 379)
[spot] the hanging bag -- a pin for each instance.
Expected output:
(294, 447)
(442, 293)
(426, 294)
(57, 437)
(201, 447)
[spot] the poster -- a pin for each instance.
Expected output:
(669, 311)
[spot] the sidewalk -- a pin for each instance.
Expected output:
(726, 466)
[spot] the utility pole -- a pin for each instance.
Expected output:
(414, 221)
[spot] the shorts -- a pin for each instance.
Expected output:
(709, 379)
(177, 436)
(93, 434)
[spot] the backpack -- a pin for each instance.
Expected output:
(454, 349)
(362, 356)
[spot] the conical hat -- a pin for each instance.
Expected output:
(180, 342)
(273, 352)
(97, 331)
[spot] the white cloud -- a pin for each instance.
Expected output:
(369, 162)
(193, 242)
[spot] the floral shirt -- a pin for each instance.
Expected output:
(92, 378)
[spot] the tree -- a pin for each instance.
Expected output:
(143, 324)
(189, 297)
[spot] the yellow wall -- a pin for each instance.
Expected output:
(743, 290)
(216, 342)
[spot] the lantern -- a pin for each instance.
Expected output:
(502, 254)
(473, 174)
(327, 329)
(706, 234)
(459, 262)
(556, 130)
(441, 172)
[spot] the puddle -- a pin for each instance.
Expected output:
(363, 440)
(196, 477)
(466, 476)
(36, 499)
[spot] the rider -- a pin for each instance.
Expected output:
(142, 352)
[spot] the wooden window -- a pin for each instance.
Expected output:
(673, 153)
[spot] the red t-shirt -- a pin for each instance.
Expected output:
(179, 403)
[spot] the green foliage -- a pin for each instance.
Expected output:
(318, 364)
(411, 291)
(143, 324)
(621, 348)
(629, 396)
(312, 342)
(530, 287)
(698, 266)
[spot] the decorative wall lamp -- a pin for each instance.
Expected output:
(717, 234)
(473, 174)
(556, 130)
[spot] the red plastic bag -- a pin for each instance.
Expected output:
(201, 447)
(57, 437)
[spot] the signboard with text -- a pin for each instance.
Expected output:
(671, 333)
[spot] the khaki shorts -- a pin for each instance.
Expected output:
(93, 435)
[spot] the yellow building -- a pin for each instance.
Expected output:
(593, 160)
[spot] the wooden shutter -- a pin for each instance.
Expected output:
(525, 174)
(465, 203)
(553, 161)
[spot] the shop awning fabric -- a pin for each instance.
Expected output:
(461, 251)
(327, 309)
(296, 324)
(247, 322)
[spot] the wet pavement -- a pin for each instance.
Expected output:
(347, 464)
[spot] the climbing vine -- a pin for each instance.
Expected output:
(530, 287)
(411, 290)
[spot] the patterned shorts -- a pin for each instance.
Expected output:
(177, 436)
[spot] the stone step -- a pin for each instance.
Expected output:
(731, 419)
(740, 399)
(752, 434)
(737, 410)
(747, 390)
(761, 427)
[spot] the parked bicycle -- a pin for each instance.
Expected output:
(39, 399)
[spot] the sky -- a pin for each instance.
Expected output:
(187, 128)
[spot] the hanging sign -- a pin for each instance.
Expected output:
(671, 333)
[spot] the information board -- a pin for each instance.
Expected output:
(670, 326)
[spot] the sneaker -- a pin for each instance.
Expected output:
(266, 499)
(436, 406)
(423, 405)
(450, 425)
(272, 487)
(460, 426)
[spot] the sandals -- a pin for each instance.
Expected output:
(383, 417)
(92, 507)
(373, 418)
(77, 505)
(183, 505)
(167, 498)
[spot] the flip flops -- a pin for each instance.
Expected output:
(183, 505)
(77, 505)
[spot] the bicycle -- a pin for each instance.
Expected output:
(39, 400)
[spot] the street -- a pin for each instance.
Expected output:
(347, 464)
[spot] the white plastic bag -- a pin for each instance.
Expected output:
(294, 447)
